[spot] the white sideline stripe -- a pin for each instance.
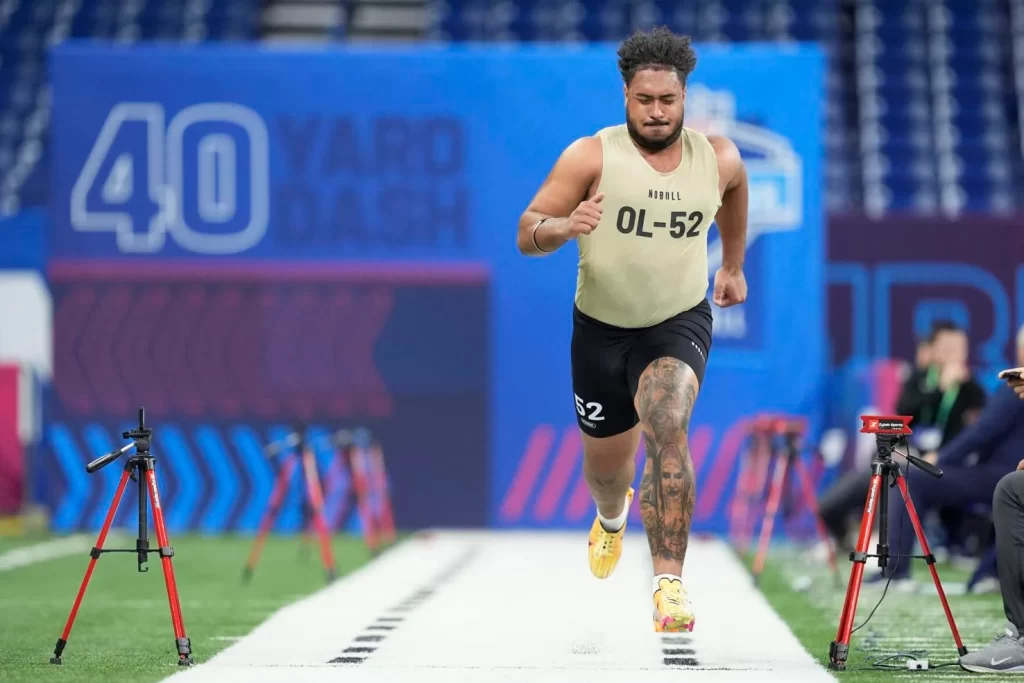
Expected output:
(41, 552)
(523, 609)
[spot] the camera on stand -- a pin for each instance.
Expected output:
(141, 469)
(890, 432)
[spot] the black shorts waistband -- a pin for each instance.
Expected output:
(702, 307)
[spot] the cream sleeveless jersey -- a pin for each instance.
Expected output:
(648, 258)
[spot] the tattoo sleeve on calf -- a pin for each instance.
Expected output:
(666, 396)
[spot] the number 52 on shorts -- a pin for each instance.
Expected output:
(589, 410)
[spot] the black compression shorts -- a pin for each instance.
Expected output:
(607, 362)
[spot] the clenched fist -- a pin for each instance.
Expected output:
(585, 217)
(730, 288)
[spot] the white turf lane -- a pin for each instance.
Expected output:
(457, 607)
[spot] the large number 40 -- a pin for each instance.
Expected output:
(204, 178)
(594, 408)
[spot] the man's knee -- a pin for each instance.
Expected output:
(610, 456)
(1009, 492)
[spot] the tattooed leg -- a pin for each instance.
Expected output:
(664, 401)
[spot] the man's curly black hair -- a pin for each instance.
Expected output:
(659, 49)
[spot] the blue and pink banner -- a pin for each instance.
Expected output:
(241, 251)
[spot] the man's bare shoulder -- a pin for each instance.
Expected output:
(725, 149)
(730, 162)
(584, 152)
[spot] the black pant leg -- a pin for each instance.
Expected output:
(1008, 514)
(952, 521)
(847, 495)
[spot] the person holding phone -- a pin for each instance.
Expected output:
(1005, 654)
(1014, 377)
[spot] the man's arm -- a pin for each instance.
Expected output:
(562, 191)
(995, 421)
(732, 215)
(974, 400)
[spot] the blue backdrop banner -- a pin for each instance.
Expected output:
(201, 157)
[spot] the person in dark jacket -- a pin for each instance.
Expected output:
(945, 399)
(940, 396)
(996, 438)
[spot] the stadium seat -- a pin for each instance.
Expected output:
(923, 85)
(35, 25)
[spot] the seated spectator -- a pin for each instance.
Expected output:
(949, 399)
(1005, 654)
(940, 396)
(996, 438)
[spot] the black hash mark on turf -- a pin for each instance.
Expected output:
(390, 623)
(679, 650)
(680, 661)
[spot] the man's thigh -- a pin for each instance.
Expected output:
(958, 486)
(603, 400)
(685, 337)
(849, 491)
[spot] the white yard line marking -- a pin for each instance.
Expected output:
(517, 607)
(41, 552)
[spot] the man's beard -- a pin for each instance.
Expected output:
(653, 144)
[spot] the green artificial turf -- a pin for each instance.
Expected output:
(123, 629)
(903, 623)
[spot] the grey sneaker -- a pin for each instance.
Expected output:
(1005, 654)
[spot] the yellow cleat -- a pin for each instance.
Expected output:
(672, 609)
(606, 546)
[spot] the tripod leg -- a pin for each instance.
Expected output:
(930, 560)
(840, 647)
(738, 507)
(362, 487)
(316, 501)
(332, 486)
(774, 498)
(387, 518)
(762, 463)
(269, 517)
(94, 555)
(182, 642)
(812, 504)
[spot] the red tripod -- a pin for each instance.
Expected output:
(368, 492)
(751, 483)
(303, 453)
(792, 431)
(889, 432)
(385, 516)
(145, 463)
